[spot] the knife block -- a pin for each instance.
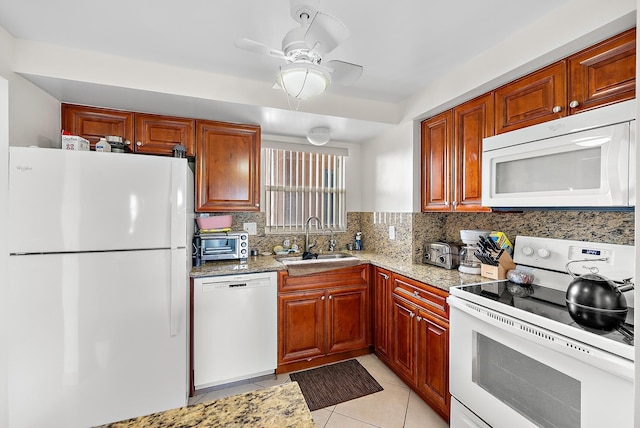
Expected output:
(505, 264)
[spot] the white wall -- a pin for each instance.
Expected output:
(34, 115)
(4, 251)
(386, 173)
(575, 25)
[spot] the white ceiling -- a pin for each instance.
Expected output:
(402, 44)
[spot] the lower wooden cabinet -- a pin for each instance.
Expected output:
(381, 290)
(323, 317)
(418, 328)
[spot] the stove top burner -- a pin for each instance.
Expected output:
(545, 302)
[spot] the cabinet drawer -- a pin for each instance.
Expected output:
(356, 275)
(427, 297)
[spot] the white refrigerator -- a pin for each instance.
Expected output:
(98, 273)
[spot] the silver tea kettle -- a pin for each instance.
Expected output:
(595, 301)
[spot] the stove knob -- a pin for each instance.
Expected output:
(527, 251)
(544, 253)
(441, 259)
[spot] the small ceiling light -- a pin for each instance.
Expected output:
(303, 80)
(319, 136)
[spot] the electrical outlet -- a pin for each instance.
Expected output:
(392, 232)
(250, 228)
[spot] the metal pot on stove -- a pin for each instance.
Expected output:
(595, 301)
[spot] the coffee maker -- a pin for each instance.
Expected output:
(469, 263)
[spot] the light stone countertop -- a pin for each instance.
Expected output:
(281, 406)
(432, 275)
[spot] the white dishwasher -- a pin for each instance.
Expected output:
(234, 328)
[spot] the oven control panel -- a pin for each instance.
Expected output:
(554, 254)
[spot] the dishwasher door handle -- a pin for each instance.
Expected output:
(237, 285)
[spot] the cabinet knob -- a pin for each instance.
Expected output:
(416, 293)
(557, 109)
(127, 142)
(258, 205)
(330, 297)
(574, 104)
(139, 143)
(411, 314)
(418, 318)
(322, 298)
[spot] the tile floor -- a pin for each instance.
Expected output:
(395, 407)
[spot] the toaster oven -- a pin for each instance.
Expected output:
(220, 246)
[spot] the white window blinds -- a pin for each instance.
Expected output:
(299, 185)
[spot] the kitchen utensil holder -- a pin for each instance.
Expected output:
(505, 264)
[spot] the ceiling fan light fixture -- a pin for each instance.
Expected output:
(303, 81)
(319, 136)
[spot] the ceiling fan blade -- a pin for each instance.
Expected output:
(259, 48)
(325, 33)
(344, 73)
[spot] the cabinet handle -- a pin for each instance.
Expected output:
(139, 143)
(384, 276)
(322, 298)
(557, 109)
(574, 104)
(418, 318)
(411, 314)
(258, 205)
(330, 297)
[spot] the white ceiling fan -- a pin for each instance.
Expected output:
(305, 74)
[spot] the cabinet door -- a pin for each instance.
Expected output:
(347, 319)
(535, 98)
(93, 123)
(436, 163)
(403, 339)
(158, 134)
(301, 326)
(228, 167)
(603, 74)
(381, 312)
(472, 121)
(433, 361)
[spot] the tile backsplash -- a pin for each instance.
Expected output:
(413, 230)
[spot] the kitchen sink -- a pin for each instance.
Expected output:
(334, 256)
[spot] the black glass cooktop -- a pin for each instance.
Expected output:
(545, 302)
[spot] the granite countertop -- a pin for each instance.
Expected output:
(429, 274)
(277, 407)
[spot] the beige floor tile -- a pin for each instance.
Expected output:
(420, 415)
(379, 370)
(340, 421)
(384, 409)
(321, 417)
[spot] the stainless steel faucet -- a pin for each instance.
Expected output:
(332, 241)
(307, 245)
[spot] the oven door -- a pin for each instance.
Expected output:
(512, 374)
(582, 169)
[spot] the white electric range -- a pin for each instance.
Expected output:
(518, 358)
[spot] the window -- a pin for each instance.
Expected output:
(299, 185)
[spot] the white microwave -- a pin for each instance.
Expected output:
(585, 160)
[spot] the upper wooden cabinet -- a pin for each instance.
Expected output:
(532, 99)
(452, 156)
(228, 167)
(597, 76)
(144, 133)
(159, 134)
(603, 74)
(436, 162)
(93, 123)
(472, 121)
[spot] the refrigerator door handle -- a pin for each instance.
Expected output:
(176, 288)
(178, 201)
